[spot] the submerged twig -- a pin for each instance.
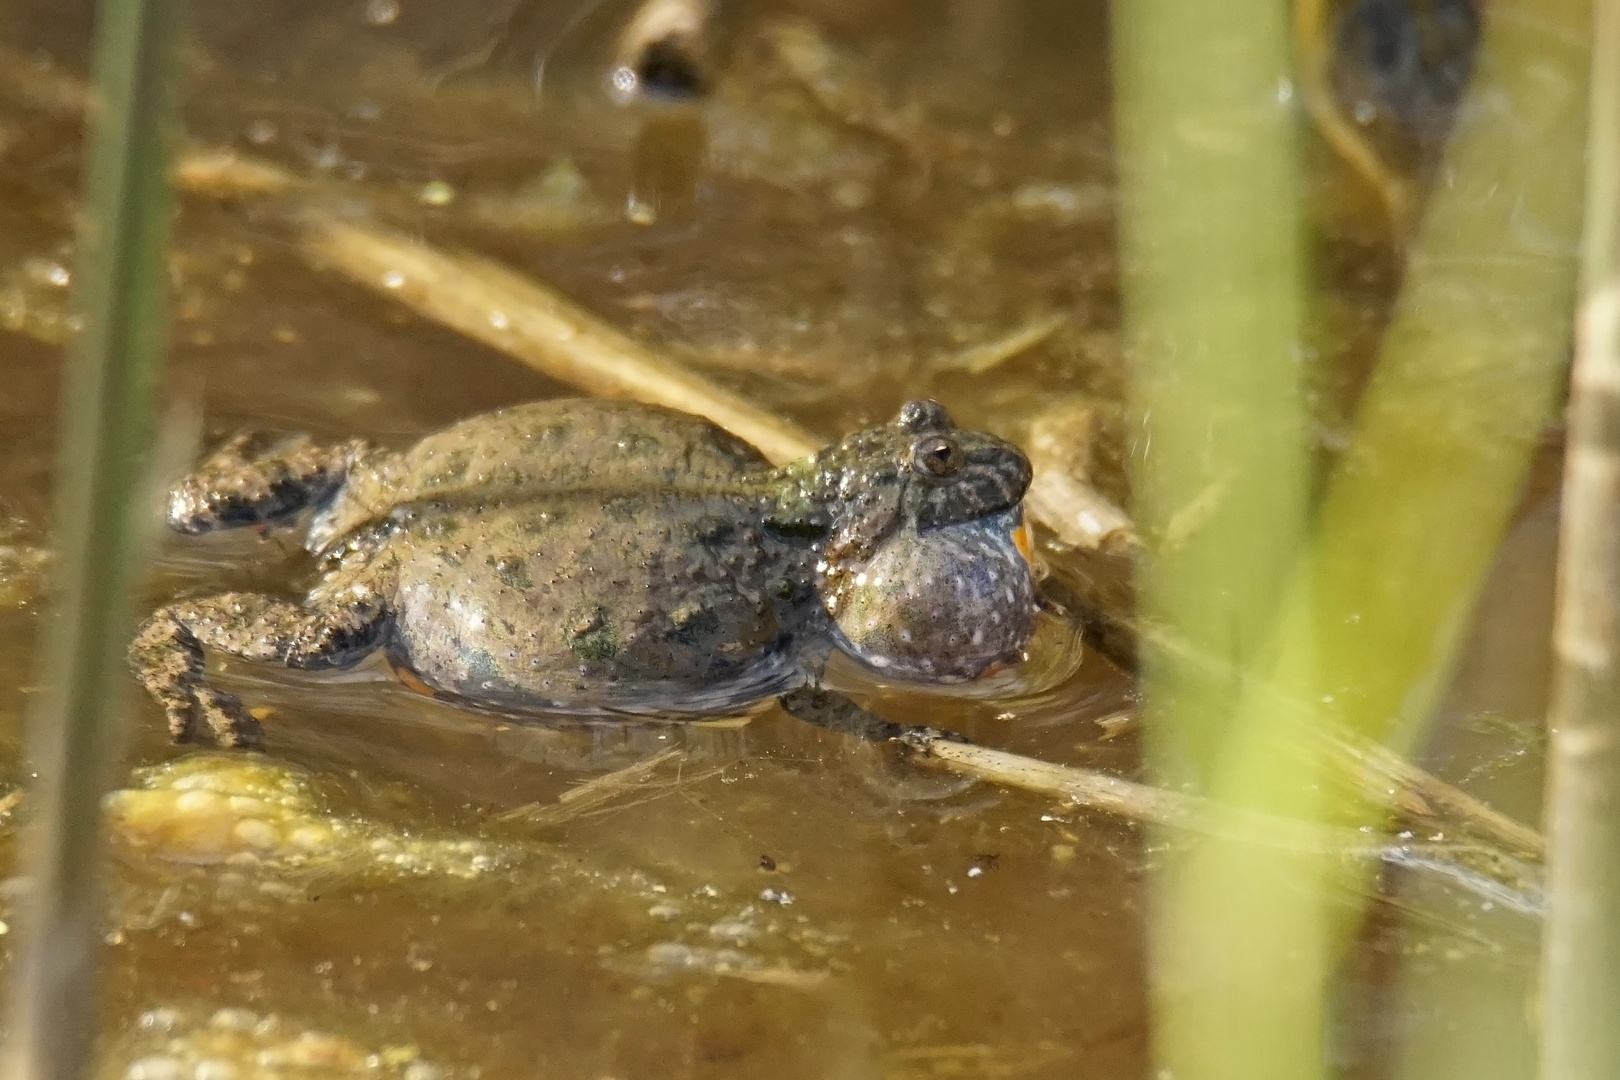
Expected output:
(1485, 871)
(41, 86)
(617, 790)
(219, 173)
(1382, 774)
(1384, 771)
(604, 787)
(988, 355)
(1086, 788)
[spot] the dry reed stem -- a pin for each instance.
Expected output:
(509, 312)
(1485, 871)
(987, 355)
(1580, 986)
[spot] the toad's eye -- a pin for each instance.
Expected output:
(937, 455)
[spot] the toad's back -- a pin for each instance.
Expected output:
(542, 448)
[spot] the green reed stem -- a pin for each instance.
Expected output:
(1580, 992)
(1213, 288)
(1212, 263)
(107, 406)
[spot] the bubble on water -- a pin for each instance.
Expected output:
(233, 1020)
(436, 193)
(326, 157)
(213, 1069)
(382, 12)
(255, 833)
(47, 272)
(156, 1067)
(161, 1019)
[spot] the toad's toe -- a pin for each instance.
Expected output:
(229, 722)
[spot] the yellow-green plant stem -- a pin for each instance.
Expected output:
(1468, 379)
(107, 405)
(1212, 263)
(1211, 258)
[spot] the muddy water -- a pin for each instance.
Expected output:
(409, 889)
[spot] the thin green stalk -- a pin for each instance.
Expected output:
(1212, 263)
(1213, 299)
(107, 407)
(1580, 992)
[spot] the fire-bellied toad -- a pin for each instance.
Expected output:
(604, 558)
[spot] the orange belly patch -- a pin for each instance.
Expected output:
(411, 679)
(1024, 540)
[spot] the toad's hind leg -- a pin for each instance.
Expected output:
(257, 479)
(167, 653)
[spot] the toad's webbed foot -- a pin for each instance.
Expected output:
(167, 653)
(837, 713)
(258, 479)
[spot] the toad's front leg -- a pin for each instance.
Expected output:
(324, 632)
(834, 711)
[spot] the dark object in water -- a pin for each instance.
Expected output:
(1406, 62)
